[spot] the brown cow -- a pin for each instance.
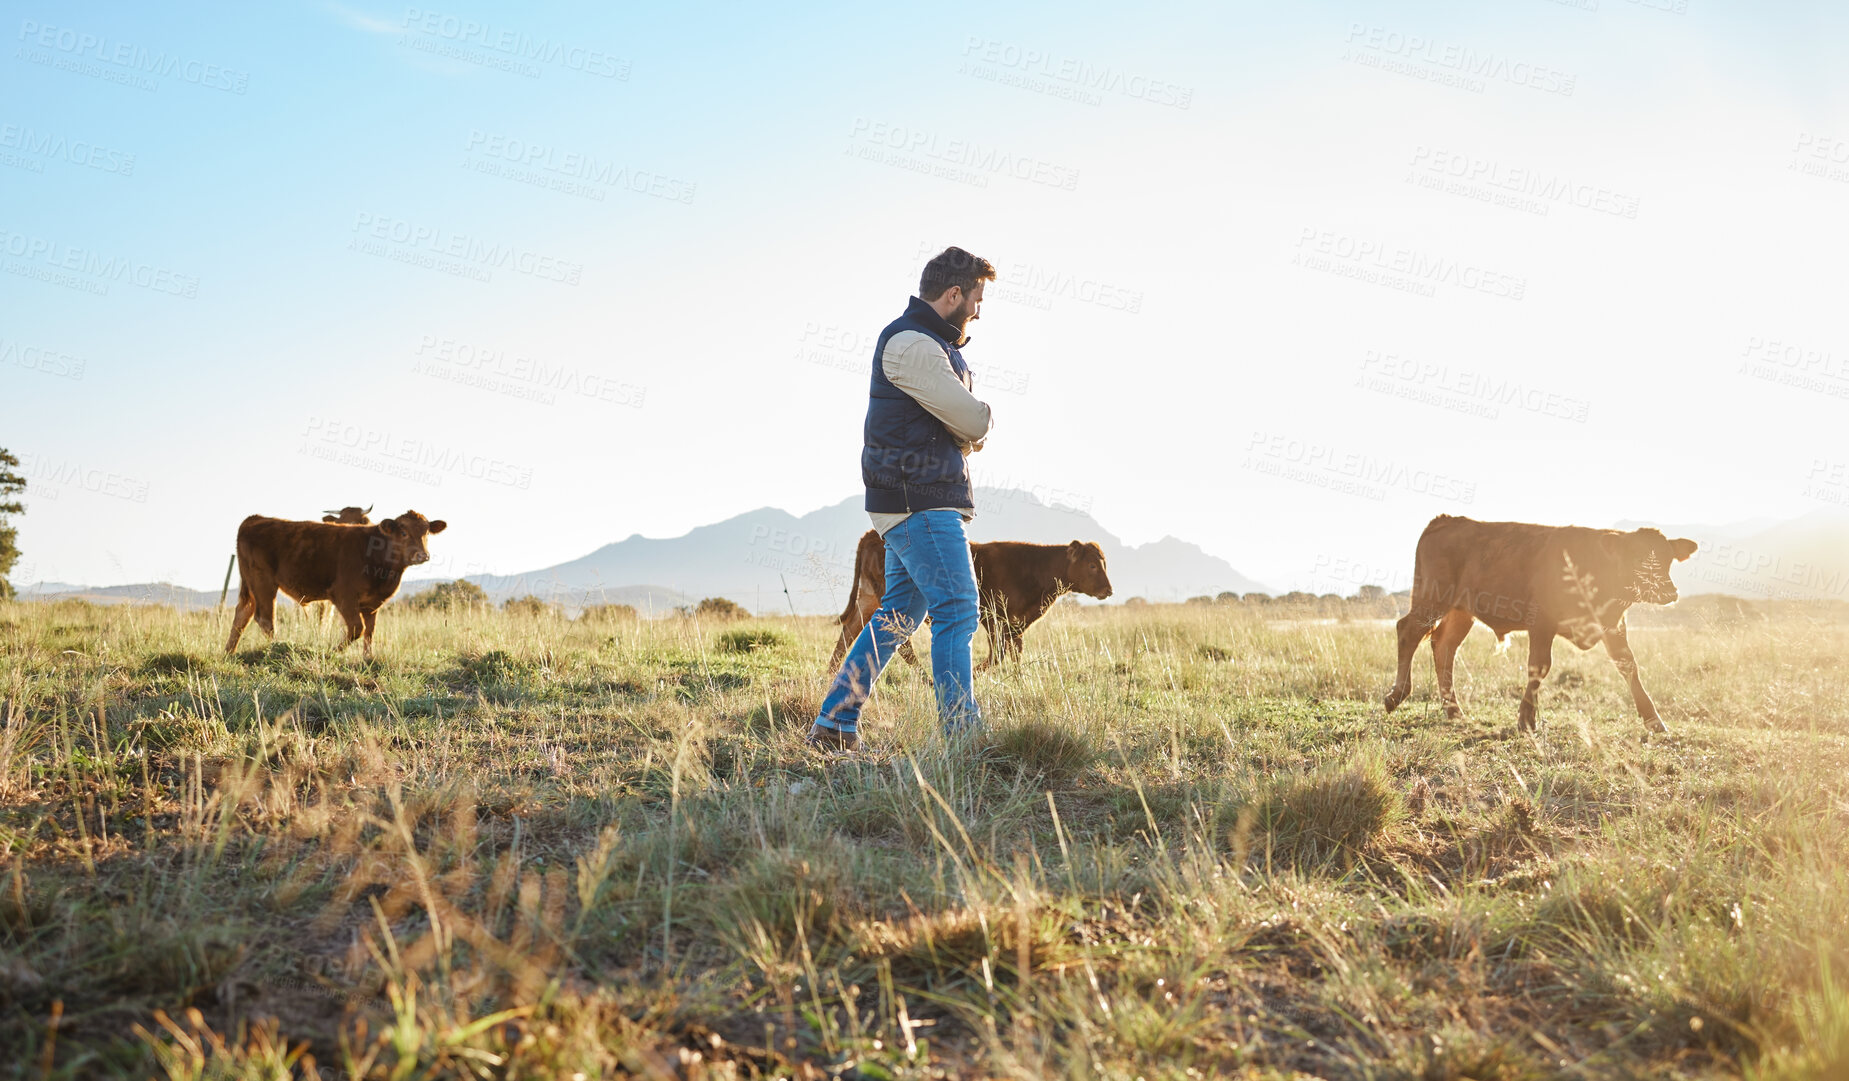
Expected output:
(357, 567)
(1015, 584)
(319, 610)
(1546, 580)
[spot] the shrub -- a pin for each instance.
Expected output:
(1056, 752)
(529, 606)
(608, 613)
(752, 639)
(719, 608)
(450, 596)
(1332, 814)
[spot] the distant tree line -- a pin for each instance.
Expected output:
(1368, 602)
(465, 596)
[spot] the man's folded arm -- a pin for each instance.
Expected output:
(920, 367)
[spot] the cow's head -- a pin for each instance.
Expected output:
(408, 533)
(348, 516)
(1646, 555)
(1085, 569)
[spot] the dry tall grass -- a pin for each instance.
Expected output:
(1189, 846)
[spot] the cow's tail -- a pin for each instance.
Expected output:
(244, 549)
(1422, 558)
(864, 554)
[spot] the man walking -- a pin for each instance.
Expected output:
(922, 424)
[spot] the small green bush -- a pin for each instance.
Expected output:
(752, 639)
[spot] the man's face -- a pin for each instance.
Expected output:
(969, 306)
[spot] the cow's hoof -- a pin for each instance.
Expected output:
(1454, 713)
(1655, 724)
(1394, 698)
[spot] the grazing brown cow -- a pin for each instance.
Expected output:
(1546, 580)
(357, 567)
(1015, 585)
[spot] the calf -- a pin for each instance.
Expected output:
(1015, 584)
(357, 567)
(1546, 580)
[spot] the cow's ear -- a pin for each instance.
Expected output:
(438, 526)
(1683, 547)
(392, 528)
(329, 518)
(1075, 549)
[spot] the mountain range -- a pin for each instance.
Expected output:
(772, 561)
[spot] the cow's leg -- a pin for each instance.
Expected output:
(265, 598)
(1540, 662)
(247, 607)
(1413, 627)
(356, 625)
(367, 619)
(1450, 634)
(904, 650)
(866, 601)
(1618, 645)
(992, 630)
(1012, 642)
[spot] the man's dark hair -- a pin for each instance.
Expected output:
(953, 266)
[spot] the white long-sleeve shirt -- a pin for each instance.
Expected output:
(917, 365)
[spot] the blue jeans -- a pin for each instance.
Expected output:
(928, 569)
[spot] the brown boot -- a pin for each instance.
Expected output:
(829, 741)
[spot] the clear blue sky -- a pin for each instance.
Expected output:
(1281, 279)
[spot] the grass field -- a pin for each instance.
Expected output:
(1190, 845)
